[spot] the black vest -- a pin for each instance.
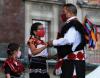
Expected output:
(66, 49)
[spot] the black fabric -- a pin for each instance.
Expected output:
(68, 66)
(38, 63)
(38, 75)
(66, 49)
(8, 71)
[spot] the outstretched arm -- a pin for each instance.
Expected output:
(69, 38)
(35, 50)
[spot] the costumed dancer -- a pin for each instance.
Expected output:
(12, 67)
(71, 53)
(37, 52)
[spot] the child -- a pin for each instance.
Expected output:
(13, 68)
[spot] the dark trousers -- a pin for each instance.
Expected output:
(68, 68)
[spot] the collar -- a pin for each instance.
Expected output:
(71, 18)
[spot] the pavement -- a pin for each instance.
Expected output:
(94, 74)
(26, 75)
(50, 70)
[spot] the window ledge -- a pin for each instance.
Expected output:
(82, 4)
(59, 2)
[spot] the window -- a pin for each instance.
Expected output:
(89, 3)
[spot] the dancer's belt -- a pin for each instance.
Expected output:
(78, 55)
(21, 76)
(38, 71)
(39, 58)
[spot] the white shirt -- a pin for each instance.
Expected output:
(44, 53)
(72, 36)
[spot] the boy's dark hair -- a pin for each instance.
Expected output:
(34, 27)
(71, 7)
(11, 48)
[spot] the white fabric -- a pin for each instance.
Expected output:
(19, 54)
(70, 37)
(58, 71)
(94, 74)
(44, 53)
(71, 19)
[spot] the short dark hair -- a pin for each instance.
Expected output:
(34, 27)
(11, 48)
(71, 7)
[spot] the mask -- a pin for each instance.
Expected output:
(40, 33)
(63, 17)
(18, 54)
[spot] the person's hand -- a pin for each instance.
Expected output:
(30, 41)
(46, 45)
(50, 44)
(1, 70)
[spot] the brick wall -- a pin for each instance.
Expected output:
(12, 21)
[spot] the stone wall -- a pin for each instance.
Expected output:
(12, 21)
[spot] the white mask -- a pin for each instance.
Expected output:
(18, 54)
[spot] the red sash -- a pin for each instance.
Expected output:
(15, 65)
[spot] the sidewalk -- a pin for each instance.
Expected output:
(50, 72)
(27, 74)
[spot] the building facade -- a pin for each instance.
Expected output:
(17, 16)
(91, 9)
(12, 23)
(46, 12)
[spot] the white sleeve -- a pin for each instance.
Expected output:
(69, 38)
